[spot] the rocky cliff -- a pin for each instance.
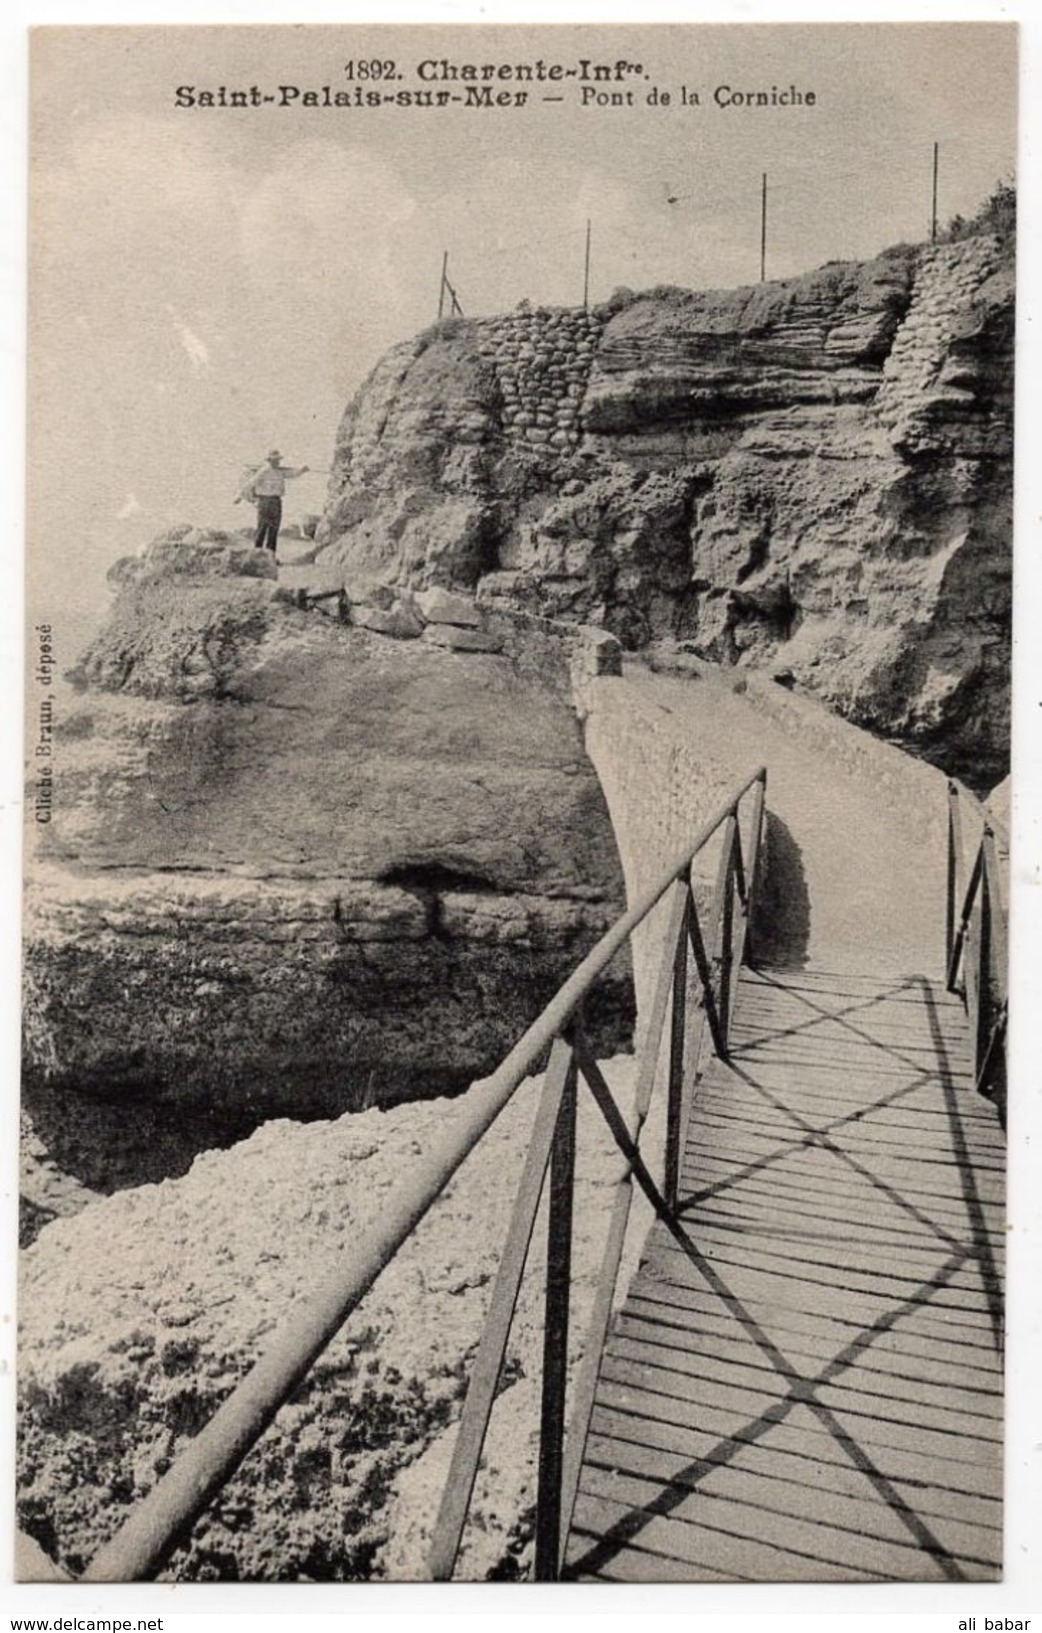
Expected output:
(812, 475)
(295, 866)
(285, 841)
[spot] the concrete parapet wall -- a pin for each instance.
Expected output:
(668, 751)
(660, 791)
(910, 790)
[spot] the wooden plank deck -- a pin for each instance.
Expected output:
(805, 1382)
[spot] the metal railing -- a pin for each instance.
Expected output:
(163, 1518)
(976, 944)
(552, 1147)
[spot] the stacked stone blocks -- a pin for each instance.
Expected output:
(542, 361)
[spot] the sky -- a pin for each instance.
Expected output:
(207, 283)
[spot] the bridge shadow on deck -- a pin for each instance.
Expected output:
(805, 1381)
(783, 911)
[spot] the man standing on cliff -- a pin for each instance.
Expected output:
(265, 489)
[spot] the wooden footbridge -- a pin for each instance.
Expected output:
(803, 1380)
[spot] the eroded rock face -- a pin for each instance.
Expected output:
(295, 866)
(140, 1315)
(812, 475)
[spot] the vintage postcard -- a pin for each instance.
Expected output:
(517, 744)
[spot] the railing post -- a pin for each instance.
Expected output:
(488, 1362)
(975, 948)
(677, 1038)
(747, 941)
(971, 975)
(981, 1020)
(997, 921)
(991, 1068)
(954, 860)
(548, 1540)
(705, 975)
(582, 1400)
(727, 927)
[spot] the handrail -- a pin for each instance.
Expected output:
(560, 1447)
(164, 1516)
(975, 946)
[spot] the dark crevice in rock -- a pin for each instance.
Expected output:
(427, 877)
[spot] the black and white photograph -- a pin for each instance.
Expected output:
(517, 805)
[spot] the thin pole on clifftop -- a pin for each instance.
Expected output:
(441, 288)
(933, 212)
(586, 275)
(763, 227)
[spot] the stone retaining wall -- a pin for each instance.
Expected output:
(542, 360)
(547, 649)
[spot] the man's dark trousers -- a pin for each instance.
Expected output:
(269, 520)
